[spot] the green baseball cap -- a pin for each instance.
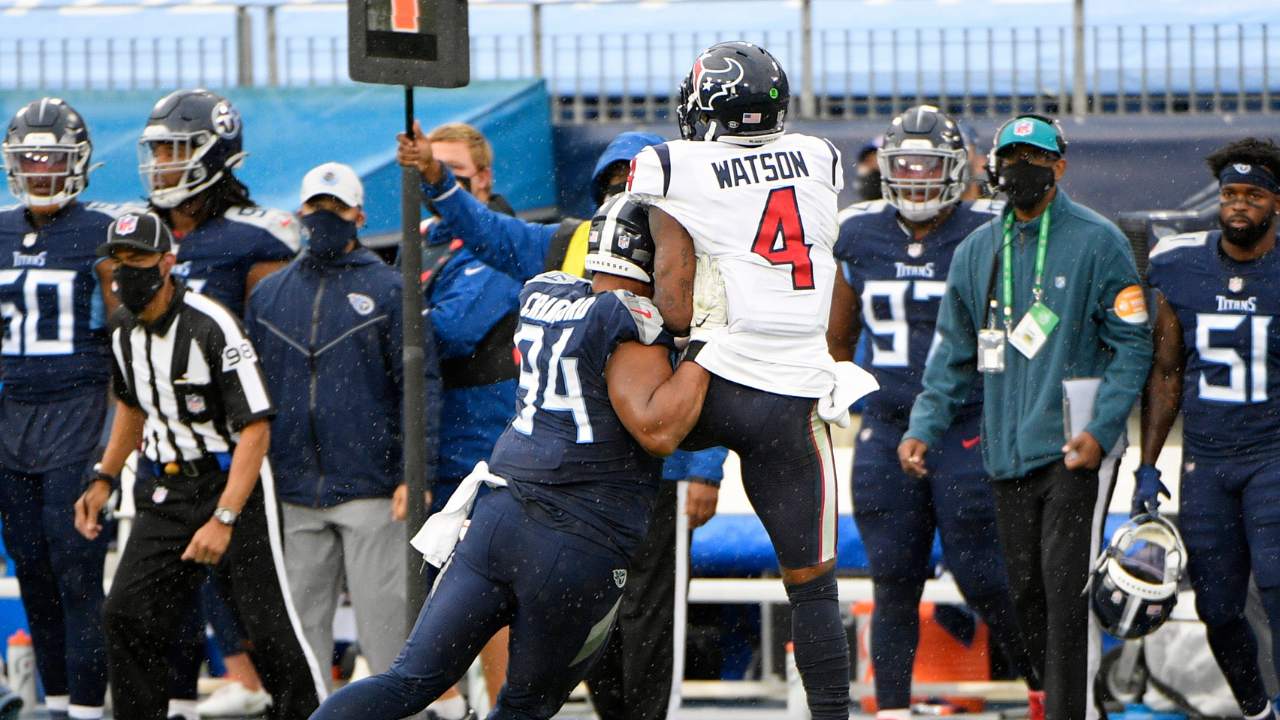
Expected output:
(1029, 131)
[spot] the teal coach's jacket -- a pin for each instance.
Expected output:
(1091, 282)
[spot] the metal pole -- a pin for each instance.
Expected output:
(806, 59)
(1078, 99)
(415, 430)
(536, 10)
(681, 599)
(273, 58)
(244, 47)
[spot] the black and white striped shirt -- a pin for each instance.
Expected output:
(193, 372)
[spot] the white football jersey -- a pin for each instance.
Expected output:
(767, 213)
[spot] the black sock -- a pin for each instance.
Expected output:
(821, 647)
(895, 633)
(998, 613)
(1236, 650)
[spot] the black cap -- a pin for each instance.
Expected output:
(144, 231)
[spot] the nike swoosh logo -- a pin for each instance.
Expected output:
(645, 313)
(968, 444)
(473, 270)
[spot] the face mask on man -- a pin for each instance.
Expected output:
(329, 234)
(1025, 183)
(136, 286)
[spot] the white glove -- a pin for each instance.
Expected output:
(710, 305)
(441, 532)
(852, 384)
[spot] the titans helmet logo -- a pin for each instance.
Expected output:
(226, 120)
(710, 84)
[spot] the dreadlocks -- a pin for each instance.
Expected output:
(1249, 151)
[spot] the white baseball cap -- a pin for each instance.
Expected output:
(334, 179)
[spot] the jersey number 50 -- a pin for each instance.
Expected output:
(22, 332)
(780, 237)
(530, 341)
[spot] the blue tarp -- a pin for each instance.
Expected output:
(290, 130)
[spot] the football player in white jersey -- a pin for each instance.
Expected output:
(762, 204)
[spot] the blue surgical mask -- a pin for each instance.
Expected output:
(328, 234)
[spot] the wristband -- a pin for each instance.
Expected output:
(97, 475)
(691, 352)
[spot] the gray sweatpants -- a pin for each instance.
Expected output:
(356, 541)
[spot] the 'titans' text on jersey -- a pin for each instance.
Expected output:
(566, 447)
(215, 258)
(1227, 309)
(772, 229)
(900, 280)
(55, 340)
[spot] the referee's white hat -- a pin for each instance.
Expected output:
(334, 179)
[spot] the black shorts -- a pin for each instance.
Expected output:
(788, 467)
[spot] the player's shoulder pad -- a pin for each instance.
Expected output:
(1174, 242)
(987, 206)
(645, 314)
(650, 174)
(281, 225)
(866, 207)
(555, 277)
(115, 210)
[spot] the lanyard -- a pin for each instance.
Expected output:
(1007, 257)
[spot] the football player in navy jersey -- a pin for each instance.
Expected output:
(548, 552)
(54, 292)
(1217, 359)
(190, 146)
(894, 255)
(188, 150)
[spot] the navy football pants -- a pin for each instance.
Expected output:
(558, 592)
(1230, 520)
(897, 516)
(59, 570)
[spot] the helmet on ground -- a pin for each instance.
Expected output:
(619, 242)
(191, 141)
(1134, 586)
(737, 90)
(924, 165)
(46, 153)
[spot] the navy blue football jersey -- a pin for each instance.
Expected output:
(566, 449)
(900, 281)
(55, 341)
(215, 258)
(1231, 387)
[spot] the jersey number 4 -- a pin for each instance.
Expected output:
(530, 341)
(780, 239)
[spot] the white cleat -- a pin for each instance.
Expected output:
(234, 700)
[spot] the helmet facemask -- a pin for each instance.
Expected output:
(921, 180)
(163, 152)
(44, 172)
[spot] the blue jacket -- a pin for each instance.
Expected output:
(473, 308)
(329, 336)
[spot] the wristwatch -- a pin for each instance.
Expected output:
(226, 516)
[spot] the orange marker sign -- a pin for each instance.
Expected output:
(404, 15)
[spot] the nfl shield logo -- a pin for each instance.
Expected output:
(1023, 128)
(1235, 284)
(619, 577)
(126, 225)
(624, 242)
(160, 494)
(915, 250)
(195, 404)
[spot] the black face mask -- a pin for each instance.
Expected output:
(869, 186)
(614, 189)
(465, 182)
(329, 234)
(135, 286)
(1248, 236)
(1026, 184)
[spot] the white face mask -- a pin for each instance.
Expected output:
(918, 215)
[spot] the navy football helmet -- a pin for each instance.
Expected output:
(924, 164)
(735, 89)
(191, 140)
(619, 242)
(46, 153)
(1134, 586)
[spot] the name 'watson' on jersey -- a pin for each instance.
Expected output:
(565, 429)
(1231, 386)
(901, 281)
(55, 340)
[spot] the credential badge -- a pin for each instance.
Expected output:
(1235, 284)
(620, 577)
(915, 250)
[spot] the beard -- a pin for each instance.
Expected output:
(1248, 236)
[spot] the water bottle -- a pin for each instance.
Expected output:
(797, 700)
(21, 659)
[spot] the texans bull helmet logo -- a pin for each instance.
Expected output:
(711, 84)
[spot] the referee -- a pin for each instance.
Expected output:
(191, 392)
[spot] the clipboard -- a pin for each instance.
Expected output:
(1078, 398)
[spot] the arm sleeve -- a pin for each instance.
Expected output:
(709, 464)
(234, 365)
(507, 244)
(1127, 331)
(952, 369)
(467, 301)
